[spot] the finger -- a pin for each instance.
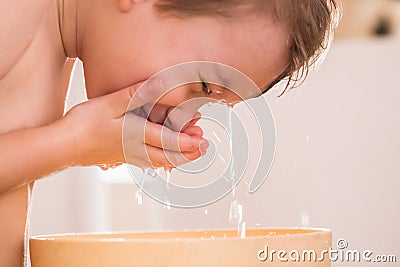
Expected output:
(193, 122)
(180, 142)
(179, 117)
(162, 137)
(196, 119)
(158, 113)
(164, 158)
(132, 97)
(194, 131)
(148, 92)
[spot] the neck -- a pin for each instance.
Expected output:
(70, 14)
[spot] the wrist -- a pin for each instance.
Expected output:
(65, 142)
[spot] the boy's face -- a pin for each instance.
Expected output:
(123, 48)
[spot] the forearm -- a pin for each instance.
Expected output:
(30, 154)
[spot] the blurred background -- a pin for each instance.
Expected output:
(336, 164)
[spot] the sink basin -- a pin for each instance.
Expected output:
(188, 248)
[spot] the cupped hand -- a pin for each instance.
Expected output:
(106, 131)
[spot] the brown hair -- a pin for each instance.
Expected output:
(311, 24)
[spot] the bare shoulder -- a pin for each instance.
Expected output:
(19, 21)
(32, 64)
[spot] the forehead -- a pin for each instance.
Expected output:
(256, 46)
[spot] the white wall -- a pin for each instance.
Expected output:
(336, 164)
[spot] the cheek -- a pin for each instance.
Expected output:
(175, 97)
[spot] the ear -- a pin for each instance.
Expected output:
(126, 5)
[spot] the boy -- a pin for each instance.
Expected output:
(123, 43)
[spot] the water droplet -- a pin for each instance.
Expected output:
(233, 189)
(232, 162)
(167, 176)
(230, 105)
(104, 167)
(167, 203)
(152, 173)
(305, 219)
(206, 212)
(236, 212)
(242, 231)
(139, 192)
(139, 197)
(308, 139)
(222, 101)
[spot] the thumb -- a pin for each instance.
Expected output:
(134, 96)
(147, 92)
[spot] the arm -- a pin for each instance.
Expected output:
(91, 133)
(33, 153)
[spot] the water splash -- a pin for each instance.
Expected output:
(139, 197)
(167, 203)
(232, 162)
(167, 176)
(236, 210)
(150, 172)
(236, 213)
(242, 230)
(153, 173)
(305, 219)
(139, 192)
(223, 102)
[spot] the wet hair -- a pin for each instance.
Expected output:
(311, 24)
